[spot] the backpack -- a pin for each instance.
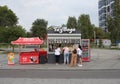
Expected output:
(74, 51)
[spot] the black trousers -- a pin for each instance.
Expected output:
(57, 58)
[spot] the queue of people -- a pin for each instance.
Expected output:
(76, 55)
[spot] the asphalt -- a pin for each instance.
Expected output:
(100, 59)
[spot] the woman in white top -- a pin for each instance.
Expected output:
(79, 53)
(57, 54)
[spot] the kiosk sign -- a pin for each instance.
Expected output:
(64, 29)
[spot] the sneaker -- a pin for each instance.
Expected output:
(80, 65)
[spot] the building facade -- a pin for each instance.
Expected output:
(105, 8)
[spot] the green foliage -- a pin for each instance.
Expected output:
(39, 28)
(63, 25)
(113, 23)
(50, 28)
(99, 33)
(7, 17)
(106, 35)
(72, 22)
(85, 26)
(2, 30)
(11, 33)
(29, 34)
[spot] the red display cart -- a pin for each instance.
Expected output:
(32, 57)
(29, 58)
(86, 50)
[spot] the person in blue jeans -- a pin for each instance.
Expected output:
(66, 54)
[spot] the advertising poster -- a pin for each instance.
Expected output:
(11, 59)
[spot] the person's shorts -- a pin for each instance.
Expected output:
(79, 56)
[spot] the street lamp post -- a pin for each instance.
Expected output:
(94, 37)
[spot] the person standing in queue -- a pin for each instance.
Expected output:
(57, 54)
(79, 53)
(73, 57)
(66, 55)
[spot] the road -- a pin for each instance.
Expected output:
(58, 74)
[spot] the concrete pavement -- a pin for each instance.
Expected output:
(100, 59)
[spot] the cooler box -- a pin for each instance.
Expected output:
(29, 58)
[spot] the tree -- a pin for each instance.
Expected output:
(7, 17)
(85, 26)
(50, 28)
(2, 30)
(99, 33)
(9, 30)
(13, 33)
(39, 28)
(63, 25)
(113, 23)
(29, 34)
(72, 22)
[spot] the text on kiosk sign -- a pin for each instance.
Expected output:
(64, 29)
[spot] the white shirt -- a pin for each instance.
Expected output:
(57, 51)
(79, 51)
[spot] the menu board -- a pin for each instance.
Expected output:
(86, 49)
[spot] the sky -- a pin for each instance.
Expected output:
(56, 12)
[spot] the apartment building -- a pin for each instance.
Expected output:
(105, 8)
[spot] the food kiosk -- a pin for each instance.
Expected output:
(64, 36)
(61, 36)
(31, 57)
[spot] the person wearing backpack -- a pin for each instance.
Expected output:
(73, 57)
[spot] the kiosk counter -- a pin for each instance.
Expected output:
(33, 57)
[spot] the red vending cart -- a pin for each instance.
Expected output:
(33, 57)
(86, 50)
(29, 58)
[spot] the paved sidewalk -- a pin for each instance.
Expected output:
(100, 59)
